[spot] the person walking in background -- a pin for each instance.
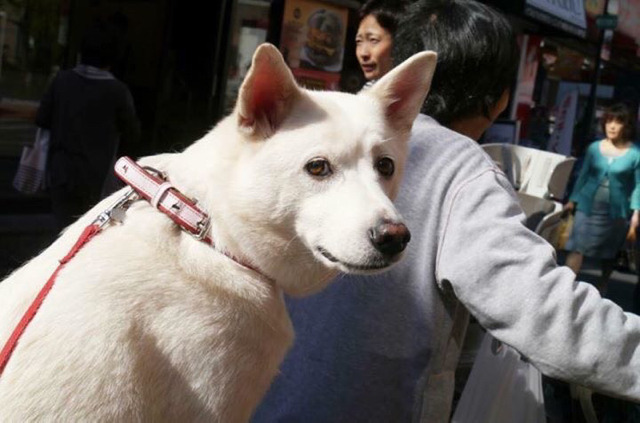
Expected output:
(374, 39)
(605, 195)
(89, 113)
(385, 348)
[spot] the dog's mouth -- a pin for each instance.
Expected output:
(370, 265)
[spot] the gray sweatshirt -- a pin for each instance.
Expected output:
(385, 348)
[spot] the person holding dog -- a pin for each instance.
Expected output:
(606, 195)
(385, 348)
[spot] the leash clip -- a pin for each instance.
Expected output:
(116, 211)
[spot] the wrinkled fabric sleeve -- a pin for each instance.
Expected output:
(508, 279)
(583, 175)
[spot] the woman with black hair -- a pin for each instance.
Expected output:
(374, 40)
(606, 195)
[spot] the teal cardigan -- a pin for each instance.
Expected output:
(624, 181)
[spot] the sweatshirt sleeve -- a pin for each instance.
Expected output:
(507, 277)
(583, 175)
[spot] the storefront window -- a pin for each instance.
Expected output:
(315, 38)
(33, 36)
(249, 30)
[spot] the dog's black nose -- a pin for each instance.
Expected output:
(389, 238)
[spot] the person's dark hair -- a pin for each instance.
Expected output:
(621, 113)
(386, 12)
(98, 46)
(477, 50)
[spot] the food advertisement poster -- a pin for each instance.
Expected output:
(312, 42)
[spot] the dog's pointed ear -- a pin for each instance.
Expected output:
(403, 90)
(267, 93)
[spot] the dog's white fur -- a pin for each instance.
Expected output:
(148, 324)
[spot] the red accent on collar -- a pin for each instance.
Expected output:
(166, 198)
(162, 195)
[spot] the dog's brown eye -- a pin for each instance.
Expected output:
(318, 167)
(386, 167)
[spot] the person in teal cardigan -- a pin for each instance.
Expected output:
(606, 195)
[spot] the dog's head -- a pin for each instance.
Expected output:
(313, 180)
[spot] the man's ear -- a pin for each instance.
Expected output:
(403, 90)
(267, 93)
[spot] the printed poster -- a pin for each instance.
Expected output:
(312, 42)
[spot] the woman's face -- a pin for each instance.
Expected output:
(614, 129)
(373, 48)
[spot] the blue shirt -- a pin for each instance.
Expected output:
(624, 181)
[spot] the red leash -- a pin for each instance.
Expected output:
(88, 233)
(143, 184)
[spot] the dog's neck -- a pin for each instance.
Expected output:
(206, 171)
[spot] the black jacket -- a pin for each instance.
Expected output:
(87, 119)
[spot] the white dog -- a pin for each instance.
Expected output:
(147, 323)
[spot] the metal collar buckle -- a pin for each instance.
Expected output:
(203, 225)
(203, 228)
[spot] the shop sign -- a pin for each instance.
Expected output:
(607, 21)
(568, 15)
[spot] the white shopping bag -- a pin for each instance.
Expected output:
(502, 388)
(30, 177)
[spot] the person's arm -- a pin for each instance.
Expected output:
(44, 115)
(507, 277)
(582, 178)
(633, 226)
(128, 121)
(635, 204)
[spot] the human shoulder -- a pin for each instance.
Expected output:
(64, 75)
(594, 147)
(444, 142)
(119, 89)
(442, 157)
(634, 147)
(634, 151)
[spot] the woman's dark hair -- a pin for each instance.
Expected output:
(621, 113)
(98, 46)
(386, 12)
(477, 50)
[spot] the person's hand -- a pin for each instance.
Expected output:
(635, 219)
(633, 226)
(568, 208)
(631, 235)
